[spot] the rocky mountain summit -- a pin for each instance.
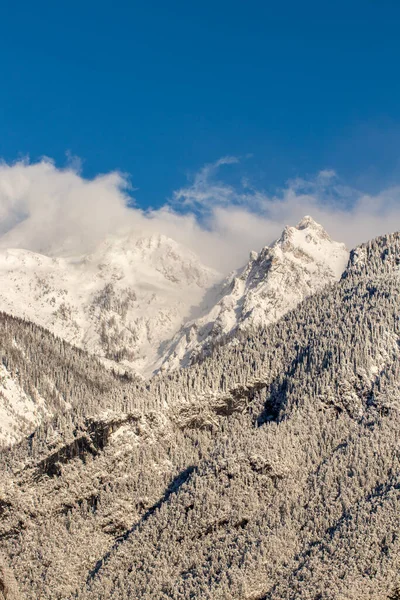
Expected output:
(302, 261)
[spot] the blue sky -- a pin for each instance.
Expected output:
(158, 89)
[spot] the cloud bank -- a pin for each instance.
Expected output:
(58, 212)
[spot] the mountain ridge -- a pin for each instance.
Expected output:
(122, 302)
(126, 301)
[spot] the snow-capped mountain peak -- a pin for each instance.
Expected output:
(300, 262)
(120, 302)
(307, 222)
(309, 241)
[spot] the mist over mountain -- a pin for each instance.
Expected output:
(59, 212)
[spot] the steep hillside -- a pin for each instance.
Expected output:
(43, 377)
(269, 470)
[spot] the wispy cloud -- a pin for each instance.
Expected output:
(206, 190)
(57, 211)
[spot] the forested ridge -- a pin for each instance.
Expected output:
(268, 470)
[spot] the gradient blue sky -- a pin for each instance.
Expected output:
(157, 89)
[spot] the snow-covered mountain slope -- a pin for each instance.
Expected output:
(19, 413)
(302, 261)
(42, 377)
(120, 303)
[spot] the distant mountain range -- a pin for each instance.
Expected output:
(119, 303)
(130, 301)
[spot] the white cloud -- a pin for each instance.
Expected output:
(205, 190)
(51, 210)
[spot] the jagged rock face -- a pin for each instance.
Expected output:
(120, 303)
(301, 262)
